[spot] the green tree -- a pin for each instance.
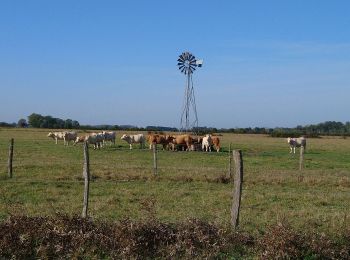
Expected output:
(35, 120)
(22, 123)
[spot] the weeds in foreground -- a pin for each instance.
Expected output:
(73, 237)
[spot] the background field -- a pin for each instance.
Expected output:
(48, 179)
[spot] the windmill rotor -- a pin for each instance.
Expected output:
(187, 63)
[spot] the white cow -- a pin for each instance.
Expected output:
(132, 139)
(56, 136)
(109, 136)
(207, 143)
(95, 139)
(69, 136)
(296, 142)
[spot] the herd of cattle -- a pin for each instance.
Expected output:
(168, 142)
(183, 142)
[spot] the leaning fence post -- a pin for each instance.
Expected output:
(10, 159)
(229, 162)
(237, 191)
(301, 158)
(86, 174)
(155, 167)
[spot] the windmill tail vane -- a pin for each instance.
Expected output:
(187, 64)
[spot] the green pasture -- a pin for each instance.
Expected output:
(48, 179)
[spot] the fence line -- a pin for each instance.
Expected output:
(301, 158)
(10, 159)
(237, 191)
(155, 161)
(86, 174)
(229, 163)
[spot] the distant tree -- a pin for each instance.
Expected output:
(59, 123)
(75, 124)
(4, 124)
(22, 123)
(68, 124)
(35, 120)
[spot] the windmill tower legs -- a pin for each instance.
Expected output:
(189, 102)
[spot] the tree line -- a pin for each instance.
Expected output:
(314, 130)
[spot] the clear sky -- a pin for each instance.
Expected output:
(266, 63)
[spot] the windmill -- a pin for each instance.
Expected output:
(187, 64)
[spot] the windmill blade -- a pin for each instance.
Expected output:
(180, 63)
(181, 59)
(186, 55)
(180, 67)
(193, 67)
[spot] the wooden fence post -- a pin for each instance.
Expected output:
(301, 159)
(10, 159)
(86, 174)
(155, 166)
(237, 192)
(229, 162)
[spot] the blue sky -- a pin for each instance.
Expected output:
(266, 63)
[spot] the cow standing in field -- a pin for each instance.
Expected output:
(207, 143)
(132, 139)
(79, 139)
(69, 136)
(56, 136)
(216, 143)
(109, 136)
(296, 142)
(154, 139)
(196, 143)
(96, 139)
(182, 140)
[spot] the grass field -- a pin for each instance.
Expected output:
(48, 179)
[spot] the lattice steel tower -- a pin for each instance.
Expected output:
(187, 64)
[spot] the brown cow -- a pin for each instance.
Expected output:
(154, 139)
(216, 142)
(79, 139)
(183, 140)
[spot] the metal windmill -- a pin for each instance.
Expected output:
(187, 64)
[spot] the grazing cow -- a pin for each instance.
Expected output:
(207, 143)
(109, 136)
(95, 139)
(183, 140)
(56, 136)
(196, 143)
(69, 136)
(296, 142)
(132, 139)
(216, 142)
(79, 139)
(154, 139)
